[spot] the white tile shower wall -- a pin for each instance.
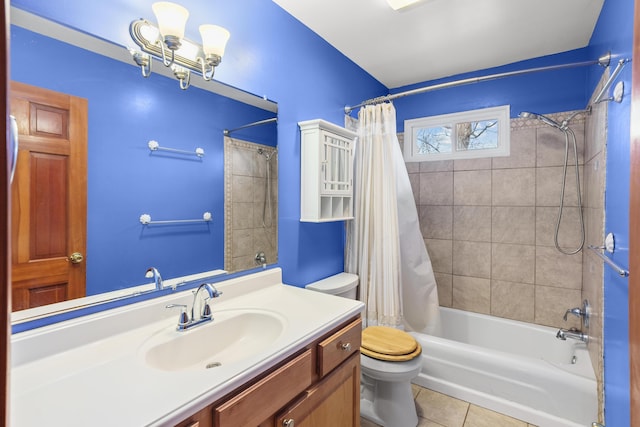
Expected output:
(489, 227)
(249, 229)
(592, 267)
(489, 223)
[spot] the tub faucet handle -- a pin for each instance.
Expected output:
(576, 311)
(581, 312)
(261, 259)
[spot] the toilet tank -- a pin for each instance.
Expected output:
(341, 284)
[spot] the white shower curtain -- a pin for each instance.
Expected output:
(384, 243)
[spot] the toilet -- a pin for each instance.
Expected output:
(390, 359)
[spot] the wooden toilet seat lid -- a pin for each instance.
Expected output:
(385, 343)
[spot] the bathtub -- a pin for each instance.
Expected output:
(515, 368)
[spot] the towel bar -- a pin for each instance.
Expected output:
(154, 146)
(145, 219)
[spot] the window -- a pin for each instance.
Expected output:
(465, 135)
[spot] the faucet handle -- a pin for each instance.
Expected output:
(183, 320)
(206, 310)
(576, 311)
(215, 293)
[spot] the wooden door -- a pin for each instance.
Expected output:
(48, 197)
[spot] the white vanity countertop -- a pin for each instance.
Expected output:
(91, 371)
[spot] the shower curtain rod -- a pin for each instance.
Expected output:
(228, 132)
(602, 61)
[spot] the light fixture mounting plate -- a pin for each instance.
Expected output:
(152, 47)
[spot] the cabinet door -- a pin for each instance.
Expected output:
(337, 165)
(334, 401)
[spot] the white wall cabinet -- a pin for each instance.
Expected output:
(326, 176)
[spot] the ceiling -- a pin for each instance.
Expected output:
(440, 38)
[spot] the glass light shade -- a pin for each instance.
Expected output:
(171, 18)
(214, 39)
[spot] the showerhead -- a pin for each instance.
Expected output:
(543, 119)
(266, 154)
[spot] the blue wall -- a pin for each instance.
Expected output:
(614, 32)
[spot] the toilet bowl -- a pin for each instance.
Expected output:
(389, 360)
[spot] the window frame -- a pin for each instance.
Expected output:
(501, 113)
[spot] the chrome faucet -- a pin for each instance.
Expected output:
(573, 333)
(576, 311)
(152, 272)
(205, 311)
(204, 314)
(261, 259)
(580, 312)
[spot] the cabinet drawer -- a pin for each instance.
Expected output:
(253, 405)
(338, 347)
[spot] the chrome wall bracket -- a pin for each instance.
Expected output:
(609, 246)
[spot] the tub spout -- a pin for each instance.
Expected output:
(573, 333)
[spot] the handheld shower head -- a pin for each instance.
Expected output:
(544, 119)
(568, 134)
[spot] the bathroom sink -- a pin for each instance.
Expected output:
(232, 336)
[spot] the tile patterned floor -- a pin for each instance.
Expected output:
(439, 410)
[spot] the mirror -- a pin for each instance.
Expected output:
(125, 179)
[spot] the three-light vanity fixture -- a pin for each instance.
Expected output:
(167, 43)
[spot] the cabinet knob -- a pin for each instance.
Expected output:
(288, 423)
(346, 346)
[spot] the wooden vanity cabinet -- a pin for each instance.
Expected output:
(319, 386)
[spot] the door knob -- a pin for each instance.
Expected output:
(288, 423)
(76, 258)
